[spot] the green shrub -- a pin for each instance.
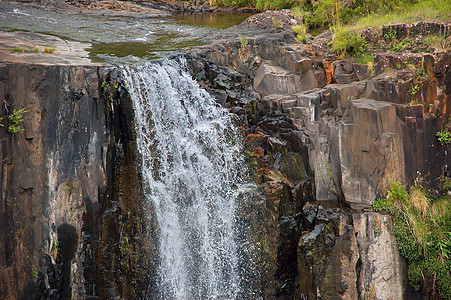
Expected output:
(324, 13)
(275, 4)
(444, 137)
(14, 119)
(397, 193)
(422, 231)
(347, 43)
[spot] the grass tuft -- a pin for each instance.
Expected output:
(419, 201)
(18, 49)
(49, 50)
(301, 31)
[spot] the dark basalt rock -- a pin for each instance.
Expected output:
(322, 138)
(71, 192)
(347, 129)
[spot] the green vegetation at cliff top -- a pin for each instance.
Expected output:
(360, 13)
(422, 226)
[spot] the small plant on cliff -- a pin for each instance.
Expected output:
(414, 89)
(14, 119)
(397, 47)
(444, 137)
(421, 73)
(390, 35)
(49, 50)
(447, 183)
(277, 23)
(421, 228)
(54, 250)
(106, 84)
(301, 31)
(243, 42)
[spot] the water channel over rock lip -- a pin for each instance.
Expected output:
(118, 39)
(194, 173)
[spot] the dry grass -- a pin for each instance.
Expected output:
(49, 50)
(419, 201)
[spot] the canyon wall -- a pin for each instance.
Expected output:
(323, 138)
(72, 207)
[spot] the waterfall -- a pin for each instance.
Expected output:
(193, 171)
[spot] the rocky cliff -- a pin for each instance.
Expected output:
(72, 207)
(326, 137)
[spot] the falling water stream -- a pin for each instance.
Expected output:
(194, 173)
(191, 151)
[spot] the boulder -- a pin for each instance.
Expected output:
(271, 79)
(391, 86)
(343, 72)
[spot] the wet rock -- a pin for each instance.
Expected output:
(54, 223)
(61, 147)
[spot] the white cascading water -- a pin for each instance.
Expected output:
(193, 169)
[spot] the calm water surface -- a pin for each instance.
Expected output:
(118, 40)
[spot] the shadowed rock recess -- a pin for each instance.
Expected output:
(323, 138)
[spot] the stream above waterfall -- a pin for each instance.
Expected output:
(118, 40)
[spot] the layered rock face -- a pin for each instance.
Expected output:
(72, 207)
(325, 137)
